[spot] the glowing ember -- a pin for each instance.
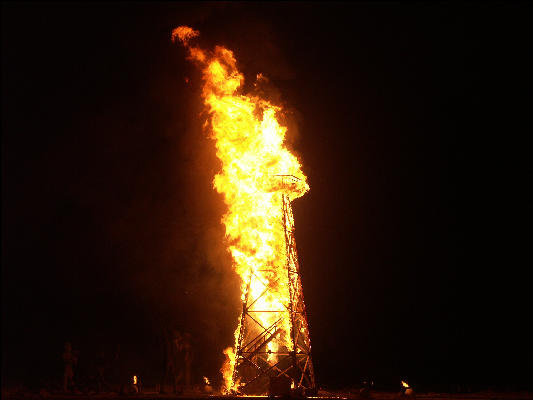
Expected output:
(250, 145)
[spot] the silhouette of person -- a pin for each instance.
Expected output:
(187, 358)
(173, 364)
(100, 370)
(70, 360)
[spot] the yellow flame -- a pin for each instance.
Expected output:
(206, 380)
(250, 144)
(134, 379)
(404, 384)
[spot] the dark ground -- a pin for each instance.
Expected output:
(339, 396)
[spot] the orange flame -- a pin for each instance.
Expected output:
(184, 34)
(404, 384)
(206, 380)
(134, 379)
(250, 145)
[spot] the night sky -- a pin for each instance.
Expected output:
(410, 121)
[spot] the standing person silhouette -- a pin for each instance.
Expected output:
(100, 371)
(187, 358)
(70, 360)
(173, 365)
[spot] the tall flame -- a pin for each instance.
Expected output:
(250, 145)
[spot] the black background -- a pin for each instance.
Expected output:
(410, 120)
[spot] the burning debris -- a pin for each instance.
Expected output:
(259, 179)
(207, 387)
(407, 390)
(135, 386)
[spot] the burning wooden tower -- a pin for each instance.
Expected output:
(264, 354)
(259, 178)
